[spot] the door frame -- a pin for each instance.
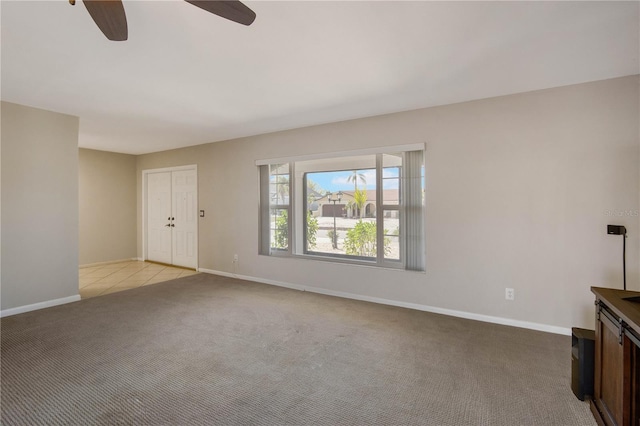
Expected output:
(145, 174)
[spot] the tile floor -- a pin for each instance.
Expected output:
(112, 277)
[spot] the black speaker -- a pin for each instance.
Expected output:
(582, 363)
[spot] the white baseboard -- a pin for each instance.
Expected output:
(39, 305)
(89, 265)
(460, 314)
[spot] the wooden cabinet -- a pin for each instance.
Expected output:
(616, 399)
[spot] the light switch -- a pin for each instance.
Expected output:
(201, 213)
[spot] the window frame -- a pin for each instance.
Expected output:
(298, 245)
(275, 251)
(381, 207)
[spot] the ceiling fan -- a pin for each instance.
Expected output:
(109, 15)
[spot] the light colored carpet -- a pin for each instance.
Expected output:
(217, 351)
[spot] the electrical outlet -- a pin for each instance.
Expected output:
(235, 258)
(509, 294)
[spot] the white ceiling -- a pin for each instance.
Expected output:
(186, 77)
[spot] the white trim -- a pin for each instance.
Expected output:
(109, 262)
(377, 150)
(450, 312)
(171, 169)
(145, 173)
(39, 305)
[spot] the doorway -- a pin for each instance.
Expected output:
(171, 216)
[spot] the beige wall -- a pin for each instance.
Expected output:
(517, 193)
(39, 206)
(107, 206)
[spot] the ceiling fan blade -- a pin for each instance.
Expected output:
(232, 10)
(109, 16)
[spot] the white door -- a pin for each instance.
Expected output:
(184, 216)
(159, 245)
(172, 215)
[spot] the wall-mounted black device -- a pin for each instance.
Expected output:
(621, 230)
(616, 230)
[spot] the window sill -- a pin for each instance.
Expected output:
(344, 261)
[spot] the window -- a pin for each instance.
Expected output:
(278, 205)
(360, 208)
